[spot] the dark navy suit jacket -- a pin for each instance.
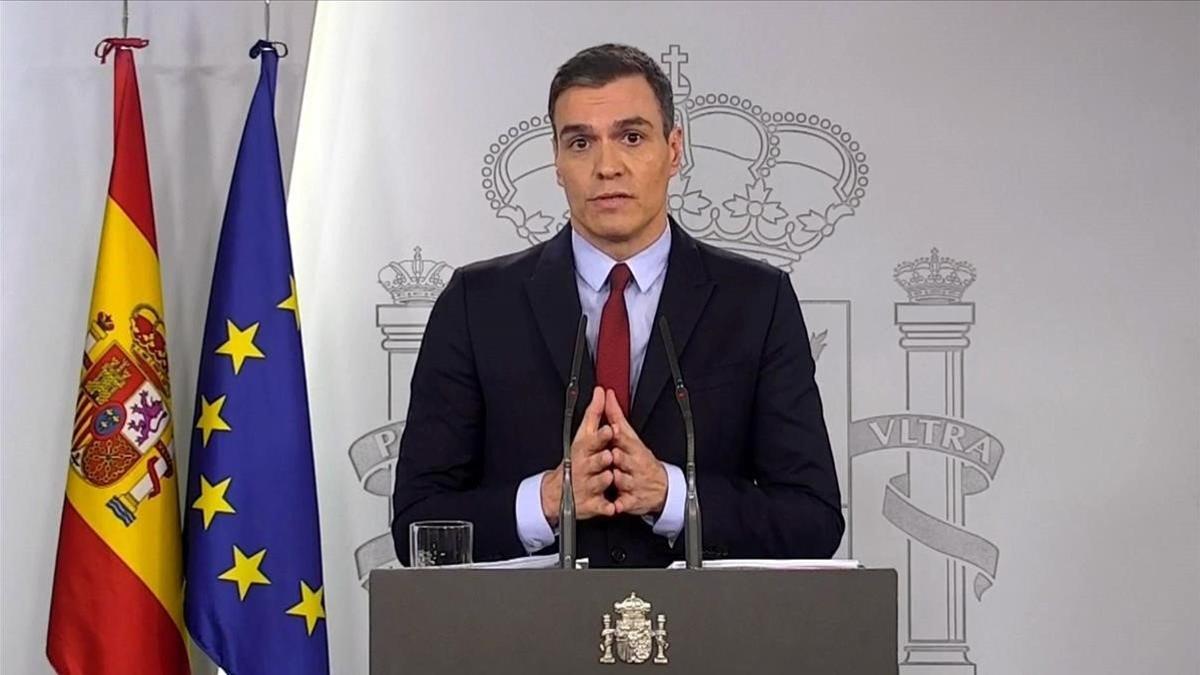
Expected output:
(488, 391)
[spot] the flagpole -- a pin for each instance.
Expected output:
(125, 18)
(279, 48)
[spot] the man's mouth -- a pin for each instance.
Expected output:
(611, 199)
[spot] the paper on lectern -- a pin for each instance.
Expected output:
(773, 564)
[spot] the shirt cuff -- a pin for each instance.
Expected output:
(670, 522)
(532, 528)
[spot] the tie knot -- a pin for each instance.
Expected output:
(619, 277)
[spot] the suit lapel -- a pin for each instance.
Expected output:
(685, 293)
(554, 300)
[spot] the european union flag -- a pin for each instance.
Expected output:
(254, 596)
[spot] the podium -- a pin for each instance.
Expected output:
(521, 622)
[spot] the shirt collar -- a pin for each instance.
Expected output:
(593, 265)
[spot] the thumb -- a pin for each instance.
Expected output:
(591, 416)
(612, 410)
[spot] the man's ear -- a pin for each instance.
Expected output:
(675, 143)
(554, 148)
(554, 144)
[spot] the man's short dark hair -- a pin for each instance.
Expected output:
(600, 65)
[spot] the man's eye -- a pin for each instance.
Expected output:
(633, 137)
(578, 143)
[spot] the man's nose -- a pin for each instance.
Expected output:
(609, 162)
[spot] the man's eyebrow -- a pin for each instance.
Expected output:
(638, 121)
(575, 129)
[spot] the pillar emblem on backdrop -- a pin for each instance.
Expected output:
(772, 185)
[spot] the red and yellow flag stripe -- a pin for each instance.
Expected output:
(117, 599)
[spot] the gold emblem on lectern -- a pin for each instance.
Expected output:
(635, 635)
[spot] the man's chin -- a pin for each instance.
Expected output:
(616, 230)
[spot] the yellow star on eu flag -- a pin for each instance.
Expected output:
(311, 606)
(245, 572)
(210, 418)
(290, 303)
(240, 345)
(212, 499)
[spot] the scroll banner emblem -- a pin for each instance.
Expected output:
(374, 456)
(981, 452)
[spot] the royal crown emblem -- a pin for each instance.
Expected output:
(635, 637)
(415, 281)
(150, 343)
(934, 280)
(770, 185)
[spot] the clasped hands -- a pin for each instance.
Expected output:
(605, 454)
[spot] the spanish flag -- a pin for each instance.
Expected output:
(117, 599)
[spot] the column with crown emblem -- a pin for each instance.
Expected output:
(414, 285)
(933, 327)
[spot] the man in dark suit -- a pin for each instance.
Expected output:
(483, 433)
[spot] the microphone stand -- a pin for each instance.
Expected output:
(566, 507)
(691, 528)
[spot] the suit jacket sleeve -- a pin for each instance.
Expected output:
(438, 474)
(790, 504)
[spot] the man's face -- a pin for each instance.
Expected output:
(613, 161)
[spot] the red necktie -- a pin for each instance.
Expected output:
(612, 351)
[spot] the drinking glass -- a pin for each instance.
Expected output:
(433, 543)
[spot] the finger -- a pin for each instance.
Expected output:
(624, 504)
(593, 507)
(623, 480)
(601, 507)
(612, 409)
(591, 416)
(596, 505)
(600, 440)
(604, 435)
(598, 462)
(629, 456)
(622, 429)
(585, 445)
(597, 484)
(620, 458)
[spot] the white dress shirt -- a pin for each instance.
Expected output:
(592, 267)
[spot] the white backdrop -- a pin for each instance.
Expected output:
(1054, 147)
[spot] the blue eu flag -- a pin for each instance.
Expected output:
(254, 595)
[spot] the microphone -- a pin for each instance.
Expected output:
(691, 528)
(566, 507)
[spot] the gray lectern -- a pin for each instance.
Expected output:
(609, 621)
